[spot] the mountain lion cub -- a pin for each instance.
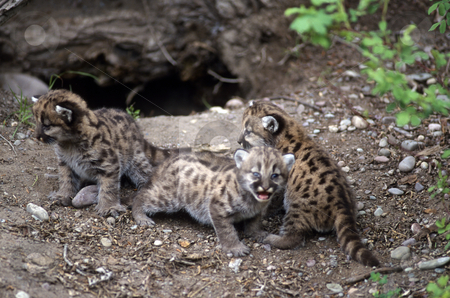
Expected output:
(217, 190)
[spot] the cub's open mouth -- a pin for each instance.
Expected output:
(263, 196)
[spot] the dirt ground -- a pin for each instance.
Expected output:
(79, 254)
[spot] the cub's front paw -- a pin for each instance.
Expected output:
(259, 236)
(60, 198)
(144, 221)
(238, 250)
(114, 210)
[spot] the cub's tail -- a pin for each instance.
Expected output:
(351, 242)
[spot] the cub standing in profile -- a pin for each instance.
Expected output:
(318, 196)
(217, 190)
(97, 146)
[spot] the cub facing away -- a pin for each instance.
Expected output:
(317, 196)
(217, 190)
(97, 147)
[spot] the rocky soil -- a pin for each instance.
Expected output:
(77, 253)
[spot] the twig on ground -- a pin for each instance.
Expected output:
(190, 295)
(224, 80)
(360, 277)
(65, 256)
(299, 101)
(9, 143)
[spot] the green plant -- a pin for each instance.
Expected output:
(55, 77)
(132, 112)
(319, 23)
(439, 289)
(441, 186)
(444, 228)
(24, 113)
(442, 8)
(377, 277)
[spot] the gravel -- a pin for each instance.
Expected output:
(401, 253)
(410, 145)
(424, 265)
(395, 191)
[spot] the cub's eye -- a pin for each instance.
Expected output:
(274, 176)
(256, 174)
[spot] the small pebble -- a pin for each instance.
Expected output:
(234, 103)
(335, 288)
(133, 227)
(439, 270)
(424, 265)
(341, 163)
(407, 164)
(437, 133)
(384, 152)
(20, 136)
(410, 241)
(359, 122)
(111, 221)
(420, 138)
(346, 122)
(346, 169)
(410, 145)
(322, 239)
(434, 126)
(310, 263)
(234, 264)
(333, 128)
(388, 120)
(360, 150)
(401, 253)
(418, 187)
(421, 77)
(342, 127)
(415, 228)
(431, 81)
(157, 243)
(424, 165)
(395, 191)
(22, 294)
(351, 128)
(106, 242)
(300, 109)
(359, 206)
(37, 212)
(86, 196)
(378, 212)
(381, 159)
(316, 131)
(17, 143)
(372, 197)
(383, 143)
(329, 115)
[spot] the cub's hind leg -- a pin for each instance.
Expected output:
(149, 200)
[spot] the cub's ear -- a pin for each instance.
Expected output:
(64, 113)
(270, 123)
(35, 98)
(289, 160)
(239, 156)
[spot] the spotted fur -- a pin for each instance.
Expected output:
(97, 147)
(318, 196)
(217, 190)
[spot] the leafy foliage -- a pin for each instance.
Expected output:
(132, 112)
(377, 277)
(444, 228)
(439, 289)
(442, 7)
(318, 24)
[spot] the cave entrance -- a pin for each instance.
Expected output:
(163, 96)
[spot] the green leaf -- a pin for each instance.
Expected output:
(440, 223)
(432, 7)
(382, 25)
(390, 107)
(293, 10)
(442, 281)
(442, 27)
(403, 118)
(415, 121)
(441, 9)
(446, 153)
(434, 26)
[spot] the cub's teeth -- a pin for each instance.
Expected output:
(260, 189)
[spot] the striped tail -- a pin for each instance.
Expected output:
(351, 242)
